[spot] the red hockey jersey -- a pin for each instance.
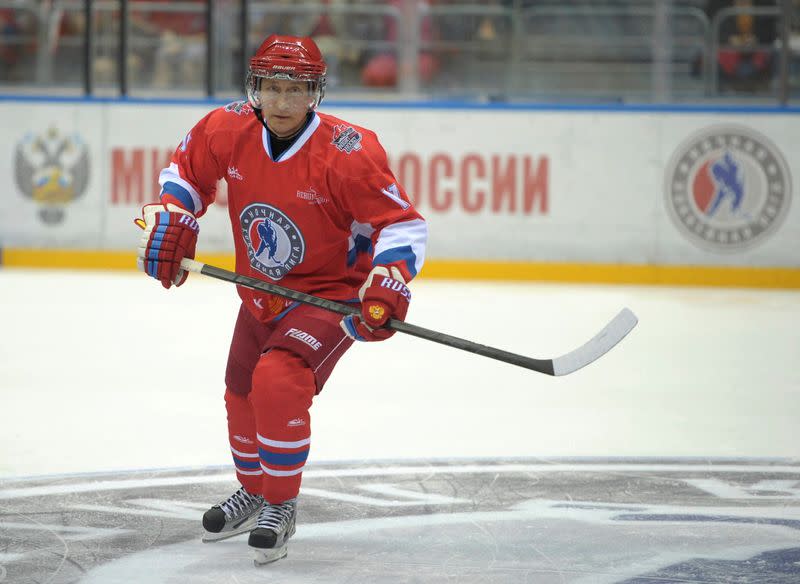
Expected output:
(316, 219)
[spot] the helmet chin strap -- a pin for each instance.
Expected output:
(259, 115)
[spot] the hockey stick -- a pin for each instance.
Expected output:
(598, 346)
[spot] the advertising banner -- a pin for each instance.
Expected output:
(575, 186)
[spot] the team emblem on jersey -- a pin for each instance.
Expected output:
(53, 170)
(274, 243)
(727, 188)
(239, 108)
(346, 138)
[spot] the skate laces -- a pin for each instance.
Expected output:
(239, 503)
(276, 517)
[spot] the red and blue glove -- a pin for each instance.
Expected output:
(170, 234)
(384, 295)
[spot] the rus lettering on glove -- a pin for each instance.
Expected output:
(384, 295)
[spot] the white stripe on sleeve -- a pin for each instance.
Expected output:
(172, 174)
(412, 233)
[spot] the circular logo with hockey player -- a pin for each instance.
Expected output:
(728, 188)
(274, 243)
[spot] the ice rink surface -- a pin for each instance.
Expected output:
(674, 458)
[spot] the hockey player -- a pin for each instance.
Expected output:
(313, 205)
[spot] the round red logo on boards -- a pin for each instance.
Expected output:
(727, 188)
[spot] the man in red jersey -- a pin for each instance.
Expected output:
(314, 206)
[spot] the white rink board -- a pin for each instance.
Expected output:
(585, 186)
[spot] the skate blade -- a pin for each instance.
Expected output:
(209, 537)
(267, 556)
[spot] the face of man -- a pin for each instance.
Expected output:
(285, 105)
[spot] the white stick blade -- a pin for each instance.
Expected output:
(598, 346)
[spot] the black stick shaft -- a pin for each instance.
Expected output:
(539, 365)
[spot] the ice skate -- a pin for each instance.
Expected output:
(236, 514)
(276, 524)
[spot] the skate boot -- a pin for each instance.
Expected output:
(236, 514)
(274, 528)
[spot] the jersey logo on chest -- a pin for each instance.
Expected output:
(274, 243)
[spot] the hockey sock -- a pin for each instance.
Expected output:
(283, 389)
(244, 445)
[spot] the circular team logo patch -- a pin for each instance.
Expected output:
(274, 243)
(728, 188)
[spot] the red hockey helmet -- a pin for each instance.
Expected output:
(291, 58)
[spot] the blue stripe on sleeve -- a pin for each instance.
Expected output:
(398, 254)
(180, 193)
(362, 244)
(283, 459)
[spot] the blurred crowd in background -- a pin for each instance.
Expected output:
(656, 50)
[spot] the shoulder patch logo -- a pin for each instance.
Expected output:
(239, 108)
(346, 138)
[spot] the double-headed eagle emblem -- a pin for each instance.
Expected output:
(53, 170)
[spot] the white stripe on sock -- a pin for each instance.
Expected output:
(280, 444)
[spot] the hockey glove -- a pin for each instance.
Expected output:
(170, 234)
(384, 295)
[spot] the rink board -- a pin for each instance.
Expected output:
(637, 195)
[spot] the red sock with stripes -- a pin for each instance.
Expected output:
(283, 389)
(243, 441)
